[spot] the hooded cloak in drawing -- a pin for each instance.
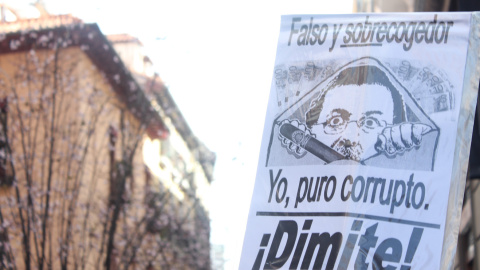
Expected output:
(421, 157)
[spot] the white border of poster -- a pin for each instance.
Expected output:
(366, 141)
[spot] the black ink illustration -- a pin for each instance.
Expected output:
(359, 114)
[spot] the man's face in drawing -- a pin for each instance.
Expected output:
(352, 117)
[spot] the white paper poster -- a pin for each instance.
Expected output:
(362, 142)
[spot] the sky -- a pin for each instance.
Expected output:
(217, 59)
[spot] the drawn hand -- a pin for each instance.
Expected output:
(397, 139)
(292, 147)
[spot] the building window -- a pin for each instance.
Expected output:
(121, 172)
(113, 135)
(6, 175)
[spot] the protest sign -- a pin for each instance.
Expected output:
(365, 145)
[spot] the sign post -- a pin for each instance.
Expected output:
(366, 141)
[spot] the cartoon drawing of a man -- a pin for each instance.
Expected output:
(359, 114)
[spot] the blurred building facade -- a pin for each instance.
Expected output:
(403, 5)
(218, 257)
(98, 167)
